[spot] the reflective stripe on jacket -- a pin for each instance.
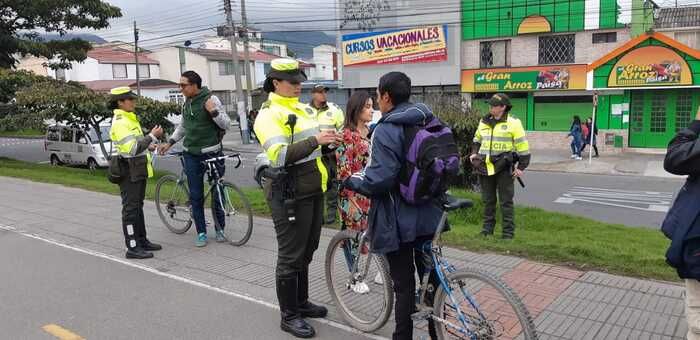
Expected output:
(126, 133)
(498, 139)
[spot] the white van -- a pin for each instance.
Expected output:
(74, 146)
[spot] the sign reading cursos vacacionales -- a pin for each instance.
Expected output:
(418, 45)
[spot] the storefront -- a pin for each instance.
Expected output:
(648, 89)
(545, 98)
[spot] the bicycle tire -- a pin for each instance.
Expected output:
(387, 287)
(238, 236)
(166, 206)
(527, 331)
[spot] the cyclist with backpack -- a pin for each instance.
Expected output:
(499, 143)
(204, 122)
(412, 152)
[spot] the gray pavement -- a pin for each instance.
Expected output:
(567, 304)
(96, 298)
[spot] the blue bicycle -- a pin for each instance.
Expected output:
(461, 304)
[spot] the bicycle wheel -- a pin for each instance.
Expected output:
(488, 307)
(173, 204)
(238, 216)
(365, 297)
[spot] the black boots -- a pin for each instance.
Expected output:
(306, 308)
(292, 321)
(138, 253)
(150, 246)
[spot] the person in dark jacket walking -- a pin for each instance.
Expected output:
(396, 228)
(682, 224)
(587, 137)
(577, 138)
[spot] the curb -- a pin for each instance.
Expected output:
(23, 137)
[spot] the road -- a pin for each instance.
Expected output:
(46, 286)
(614, 199)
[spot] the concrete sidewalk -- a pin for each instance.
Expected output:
(629, 163)
(566, 304)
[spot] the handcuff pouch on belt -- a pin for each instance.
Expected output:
(283, 185)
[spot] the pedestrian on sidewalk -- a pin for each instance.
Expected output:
(500, 153)
(576, 134)
(204, 124)
(397, 229)
(587, 136)
(297, 179)
(682, 223)
(331, 118)
(134, 159)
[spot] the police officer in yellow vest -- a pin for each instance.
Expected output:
(500, 153)
(331, 118)
(133, 152)
(293, 142)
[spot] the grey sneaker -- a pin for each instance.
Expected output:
(220, 236)
(201, 240)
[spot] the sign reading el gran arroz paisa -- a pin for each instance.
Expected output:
(416, 45)
(569, 77)
(650, 66)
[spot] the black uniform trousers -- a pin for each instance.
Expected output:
(133, 220)
(500, 184)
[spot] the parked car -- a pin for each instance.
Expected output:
(75, 146)
(261, 163)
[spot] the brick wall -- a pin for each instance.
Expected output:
(548, 140)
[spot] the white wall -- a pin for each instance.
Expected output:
(158, 94)
(169, 59)
(225, 82)
(323, 59)
(259, 73)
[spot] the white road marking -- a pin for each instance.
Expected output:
(653, 201)
(184, 280)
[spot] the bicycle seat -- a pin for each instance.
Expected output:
(450, 203)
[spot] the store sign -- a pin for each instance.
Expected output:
(650, 66)
(418, 45)
(571, 77)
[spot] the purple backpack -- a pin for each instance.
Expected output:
(432, 158)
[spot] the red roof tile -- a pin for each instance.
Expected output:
(112, 55)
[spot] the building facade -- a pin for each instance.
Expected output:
(541, 53)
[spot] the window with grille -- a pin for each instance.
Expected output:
(557, 49)
(637, 113)
(226, 68)
(495, 54)
(684, 110)
(602, 38)
(658, 113)
(119, 71)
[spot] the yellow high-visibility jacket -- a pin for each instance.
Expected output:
(495, 141)
(330, 117)
(128, 139)
(303, 157)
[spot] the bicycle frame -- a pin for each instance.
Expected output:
(353, 259)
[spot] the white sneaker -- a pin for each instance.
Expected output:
(360, 288)
(378, 279)
(578, 158)
(573, 156)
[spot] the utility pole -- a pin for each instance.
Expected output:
(242, 114)
(136, 56)
(246, 56)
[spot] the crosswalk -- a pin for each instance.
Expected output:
(652, 201)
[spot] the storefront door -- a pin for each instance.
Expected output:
(656, 116)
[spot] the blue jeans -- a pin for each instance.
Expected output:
(576, 146)
(195, 170)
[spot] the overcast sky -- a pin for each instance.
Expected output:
(160, 18)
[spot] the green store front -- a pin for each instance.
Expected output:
(649, 89)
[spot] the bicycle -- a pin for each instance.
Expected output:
(466, 304)
(174, 208)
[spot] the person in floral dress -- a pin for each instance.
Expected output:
(352, 155)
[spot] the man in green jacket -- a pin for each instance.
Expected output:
(204, 121)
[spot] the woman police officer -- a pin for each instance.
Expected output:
(132, 148)
(293, 142)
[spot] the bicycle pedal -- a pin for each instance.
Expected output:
(421, 315)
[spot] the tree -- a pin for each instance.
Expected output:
(75, 105)
(19, 19)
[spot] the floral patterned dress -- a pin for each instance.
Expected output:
(352, 156)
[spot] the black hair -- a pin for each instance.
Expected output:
(355, 105)
(397, 85)
(577, 120)
(193, 78)
(112, 104)
(268, 86)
